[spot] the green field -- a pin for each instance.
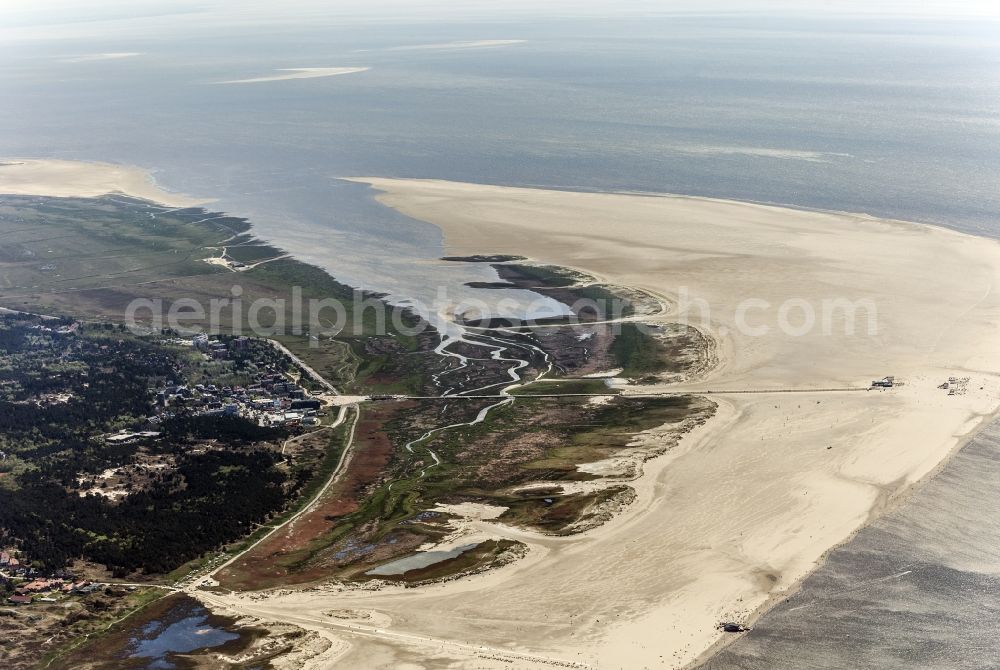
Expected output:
(90, 258)
(57, 244)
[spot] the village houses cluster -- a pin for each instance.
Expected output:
(30, 587)
(271, 399)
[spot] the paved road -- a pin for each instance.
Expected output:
(658, 394)
(334, 476)
(317, 377)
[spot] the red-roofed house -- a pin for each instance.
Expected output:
(73, 587)
(40, 585)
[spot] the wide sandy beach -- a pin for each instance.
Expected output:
(78, 179)
(747, 505)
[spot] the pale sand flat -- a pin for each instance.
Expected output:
(80, 179)
(747, 504)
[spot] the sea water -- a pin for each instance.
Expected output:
(892, 117)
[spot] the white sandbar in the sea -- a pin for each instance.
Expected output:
(462, 44)
(299, 73)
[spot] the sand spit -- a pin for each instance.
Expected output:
(747, 504)
(299, 73)
(79, 179)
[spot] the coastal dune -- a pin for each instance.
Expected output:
(747, 504)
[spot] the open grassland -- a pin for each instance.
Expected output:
(91, 257)
(52, 244)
